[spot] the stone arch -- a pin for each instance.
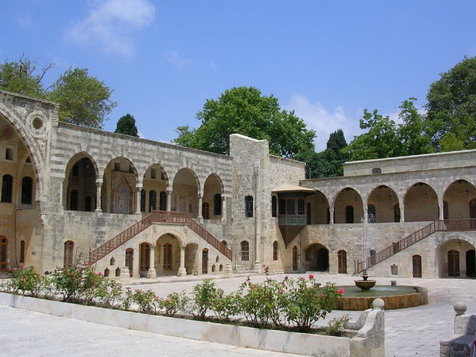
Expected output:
(212, 195)
(420, 203)
(155, 179)
(384, 198)
(185, 191)
(81, 173)
(119, 193)
(167, 254)
(316, 257)
(345, 198)
(457, 197)
(31, 144)
(319, 212)
(452, 258)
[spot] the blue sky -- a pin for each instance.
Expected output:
(327, 60)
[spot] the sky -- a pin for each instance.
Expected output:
(325, 59)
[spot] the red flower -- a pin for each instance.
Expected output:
(311, 276)
(341, 291)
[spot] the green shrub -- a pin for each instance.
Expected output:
(225, 306)
(145, 300)
(336, 326)
(27, 282)
(203, 296)
(175, 302)
(108, 293)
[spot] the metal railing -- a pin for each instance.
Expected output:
(157, 217)
(447, 225)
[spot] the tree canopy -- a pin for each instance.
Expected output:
(83, 99)
(329, 162)
(127, 125)
(451, 108)
(244, 110)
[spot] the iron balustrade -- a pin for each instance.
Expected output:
(447, 225)
(157, 217)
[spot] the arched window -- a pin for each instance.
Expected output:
(22, 251)
(68, 253)
(274, 208)
(73, 203)
(372, 214)
(249, 206)
(245, 251)
(163, 201)
(275, 250)
(7, 188)
(205, 210)
(342, 262)
(217, 204)
(349, 214)
(26, 190)
(152, 200)
(142, 200)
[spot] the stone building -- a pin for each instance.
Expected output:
(135, 207)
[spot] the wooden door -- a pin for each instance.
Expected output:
(416, 261)
(167, 256)
(205, 261)
(453, 263)
(144, 257)
(342, 262)
(130, 259)
(295, 258)
(3, 253)
(68, 253)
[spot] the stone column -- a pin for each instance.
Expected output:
(169, 200)
(138, 189)
(331, 214)
(223, 209)
(402, 213)
(152, 274)
(136, 263)
(366, 213)
(200, 201)
(441, 213)
(98, 195)
(182, 271)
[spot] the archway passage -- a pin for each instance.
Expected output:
(456, 258)
(317, 257)
(185, 192)
(317, 209)
(212, 197)
(456, 199)
(421, 203)
(383, 200)
(167, 255)
(154, 185)
(470, 263)
(119, 187)
(81, 184)
(348, 207)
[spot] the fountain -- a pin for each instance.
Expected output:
(361, 295)
(365, 284)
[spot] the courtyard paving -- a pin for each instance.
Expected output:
(408, 332)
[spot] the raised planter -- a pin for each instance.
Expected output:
(368, 342)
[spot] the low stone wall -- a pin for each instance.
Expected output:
(462, 343)
(369, 341)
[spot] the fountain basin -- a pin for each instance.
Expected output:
(365, 285)
(395, 297)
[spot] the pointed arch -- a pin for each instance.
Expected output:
(420, 203)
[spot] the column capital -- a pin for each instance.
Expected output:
(99, 181)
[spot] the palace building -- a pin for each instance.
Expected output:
(134, 207)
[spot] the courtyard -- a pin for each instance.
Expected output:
(408, 332)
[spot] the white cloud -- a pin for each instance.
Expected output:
(323, 121)
(110, 24)
(176, 60)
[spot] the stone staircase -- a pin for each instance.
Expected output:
(447, 225)
(177, 218)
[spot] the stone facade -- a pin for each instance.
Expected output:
(67, 190)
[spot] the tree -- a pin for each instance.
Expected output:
(127, 125)
(451, 108)
(246, 111)
(413, 131)
(328, 163)
(83, 99)
(381, 140)
(22, 77)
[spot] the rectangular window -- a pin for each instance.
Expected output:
(282, 207)
(9, 154)
(300, 206)
(290, 207)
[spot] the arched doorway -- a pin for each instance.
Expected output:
(167, 257)
(144, 259)
(456, 199)
(382, 205)
(317, 257)
(205, 261)
(3, 254)
(68, 253)
(342, 262)
(416, 263)
(130, 260)
(453, 263)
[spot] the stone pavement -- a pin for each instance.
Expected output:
(409, 332)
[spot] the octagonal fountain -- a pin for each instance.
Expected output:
(361, 295)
